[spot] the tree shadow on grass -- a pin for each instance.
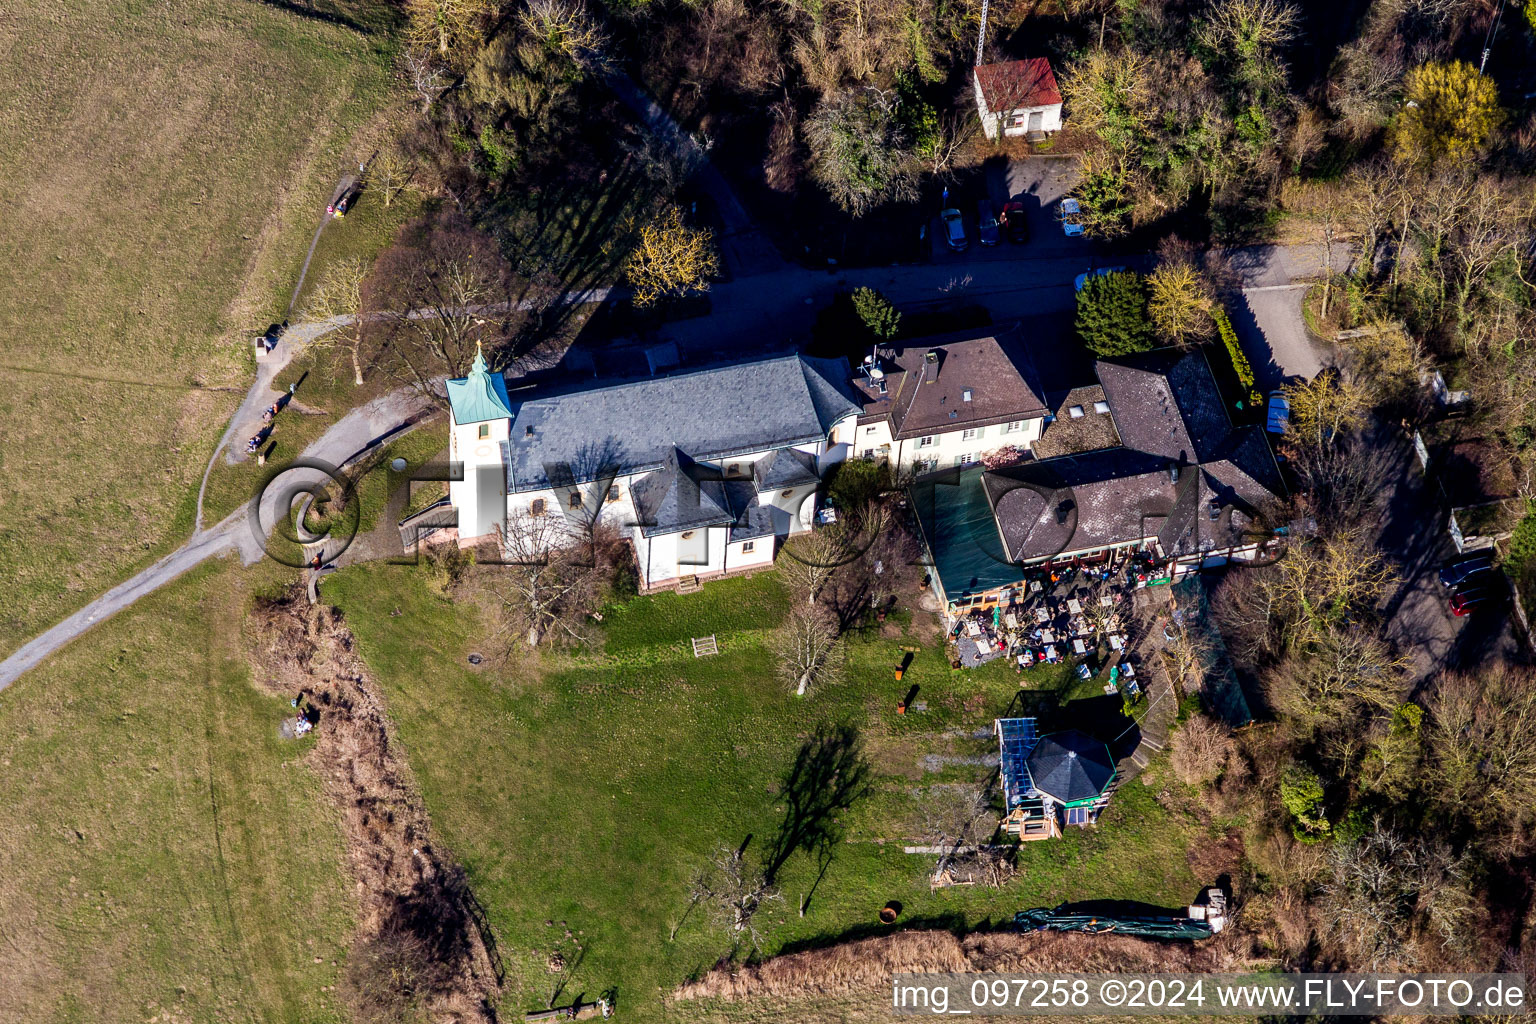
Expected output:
(829, 775)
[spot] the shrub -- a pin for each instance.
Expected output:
(876, 313)
(1240, 364)
(1112, 315)
(1200, 750)
(1451, 109)
(1301, 791)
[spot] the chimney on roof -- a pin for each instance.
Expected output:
(932, 363)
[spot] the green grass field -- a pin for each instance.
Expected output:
(163, 855)
(587, 794)
(166, 164)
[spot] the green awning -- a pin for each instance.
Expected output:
(957, 524)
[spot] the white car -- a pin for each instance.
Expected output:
(1082, 279)
(954, 229)
(1071, 217)
(1278, 420)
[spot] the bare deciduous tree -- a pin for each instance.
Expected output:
(733, 890)
(1396, 902)
(1482, 745)
(339, 297)
(810, 560)
(545, 588)
(426, 76)
(1338, 674)
(448, 290)
(808, 647)
(1201, 747)
(390, 173)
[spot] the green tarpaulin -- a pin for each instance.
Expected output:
(1063, 920)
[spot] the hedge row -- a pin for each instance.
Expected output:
(1240, 364)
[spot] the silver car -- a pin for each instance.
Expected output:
(954, 229)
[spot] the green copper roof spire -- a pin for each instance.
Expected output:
(480, 396)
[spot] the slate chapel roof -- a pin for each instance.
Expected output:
(710, 414)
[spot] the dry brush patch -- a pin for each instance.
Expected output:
(866, 965)
(422, 945)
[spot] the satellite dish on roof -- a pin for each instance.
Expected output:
(876, 372)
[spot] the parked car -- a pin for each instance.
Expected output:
(1278, 420)
(1466, 569)
(1465, 602)
(986, 223)
(1082, 279)
(1016, 222)
(1071, 217)
(954, 229)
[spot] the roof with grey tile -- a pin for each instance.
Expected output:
(1180, 461)
(787, 467)
(680, 496)
(710, 413)
(1071, 435)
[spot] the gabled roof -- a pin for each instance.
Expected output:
(1079, 502)
(927, 381)
(787, 467)
(679, 497)
(1166, 403)
(1179, 459)
(711, 413)
(1018, 83)
(480, 396)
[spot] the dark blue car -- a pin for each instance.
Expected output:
(1466, 569)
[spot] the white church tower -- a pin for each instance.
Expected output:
(479, 416)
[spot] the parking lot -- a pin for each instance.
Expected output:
(1039, 183)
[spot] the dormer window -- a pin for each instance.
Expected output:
(965, 396)
(1076, 412)
(485, 431)
(575, 499)
(536, 508)
(528, 431)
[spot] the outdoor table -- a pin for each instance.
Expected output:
(1079, 626)
(1050, 654)
(1035, 587)
(973, 628)
(1074, 606)
(1047, 636)
(1042, 616)
(1110, 688)
(1116, 642)
(1079, 646)
(1105, 600)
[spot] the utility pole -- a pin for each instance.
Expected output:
(981, 39)
(1493, 33)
